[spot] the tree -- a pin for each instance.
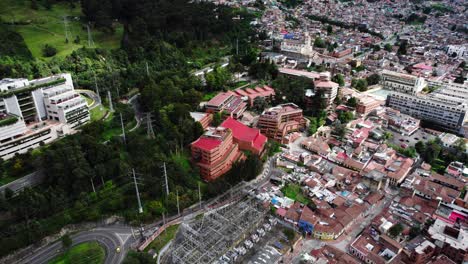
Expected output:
(352, 102)
(49, 50)
(402, 50)
(359, 84)
(66, 241)
(77, 40)
(395, 230)
(313, 126)
(259, 104)
(339, 78)
(217, 119)
(339, 129)
(319, 43)
(289, 233)
(345, 117)
(414, 231)
(388, 135)
(373, 79)
(388, 47)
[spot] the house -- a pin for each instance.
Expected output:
(316, 145)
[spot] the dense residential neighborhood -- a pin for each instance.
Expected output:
(234, 131)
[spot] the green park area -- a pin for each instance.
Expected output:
(294, 192)
(86, 253)
(163, 238)
(41, 26)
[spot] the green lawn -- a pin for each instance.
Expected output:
(163, 238)
(294, 192)
(40, 27)
(87, 253)
(98, 112)
(89, 101)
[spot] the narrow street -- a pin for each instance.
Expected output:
(344, 240)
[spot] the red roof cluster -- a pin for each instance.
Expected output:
(245, 135)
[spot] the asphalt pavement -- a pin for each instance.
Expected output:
(110, 238)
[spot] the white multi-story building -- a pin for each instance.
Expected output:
(403, 83)
(460, 51)
(447, 107)
(38, 111)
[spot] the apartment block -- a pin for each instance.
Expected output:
(215, 152)
(277, 122)
(446, 111)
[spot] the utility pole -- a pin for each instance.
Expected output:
(109, 97)
(165, 178)
(90, 37)
(140, 209)
(123, 129)
(97, 88)
(177, 199)
(237, 46)
(199, 194)
(92, 184)
(147, 69)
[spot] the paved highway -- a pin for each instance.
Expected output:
(113, 237)
(110, 238)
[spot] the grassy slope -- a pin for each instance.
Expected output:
(47, 27)
(89, 253)
(163, 239)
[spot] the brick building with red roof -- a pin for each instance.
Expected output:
(247, 138)
(215, 152)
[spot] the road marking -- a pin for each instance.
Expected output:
(123, 237)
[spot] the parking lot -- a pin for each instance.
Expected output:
(419, 135)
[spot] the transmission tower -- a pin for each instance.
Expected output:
(90, 37)
(149, 124)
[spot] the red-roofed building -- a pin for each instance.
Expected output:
(250, 94)
(247, 138)
(215, 152)
(227, 102)
(277, 122)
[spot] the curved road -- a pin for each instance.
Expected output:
(110, 238)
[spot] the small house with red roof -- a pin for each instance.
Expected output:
(247, 138)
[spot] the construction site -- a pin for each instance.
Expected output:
(223, 234)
